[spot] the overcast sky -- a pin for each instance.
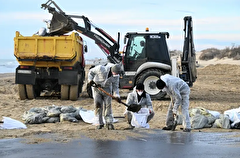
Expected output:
(216, 23)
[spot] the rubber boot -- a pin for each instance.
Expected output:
(110, 126)
(187, 130)
(168, 128)
(100, 126)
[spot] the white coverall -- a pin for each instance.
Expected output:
(179, 92)
(145, 102)
(110, 84)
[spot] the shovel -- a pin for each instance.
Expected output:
(132, 107)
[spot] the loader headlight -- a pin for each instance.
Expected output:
(24, 71)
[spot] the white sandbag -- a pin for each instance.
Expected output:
(198, 121)
(214, 113)
(222, 122)
(233, 114)
(89, 117)
(139, 119)
(217, 123)
(9, 123)
(199, 110)
(226, 123)
(68, 117)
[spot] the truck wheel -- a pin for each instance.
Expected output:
(30, 91)
(149, 79)
(73, 92)
(64, 92)
(22, 91)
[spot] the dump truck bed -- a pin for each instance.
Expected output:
(53, 64)
(47, 48)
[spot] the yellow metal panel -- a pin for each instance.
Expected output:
(26, 48)
(45, 47)
(64, 49)
(67, 49)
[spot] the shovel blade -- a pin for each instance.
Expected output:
(134, 108)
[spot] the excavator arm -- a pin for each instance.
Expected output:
(188, 60)
(62, 23)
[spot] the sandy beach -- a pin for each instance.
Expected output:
(217, 88)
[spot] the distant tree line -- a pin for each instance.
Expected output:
(211, 53)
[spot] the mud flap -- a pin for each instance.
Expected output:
(68, 78)
(25, 76)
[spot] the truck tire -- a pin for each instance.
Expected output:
(64, 92)
(73, 95)
(30, 91)
(149, 79)
(22, 91)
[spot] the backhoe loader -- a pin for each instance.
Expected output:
(145, 57)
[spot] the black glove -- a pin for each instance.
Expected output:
(91, 83)
(98, 85)
(134, 107)
(118, 99)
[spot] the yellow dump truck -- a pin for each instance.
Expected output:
(49, 64)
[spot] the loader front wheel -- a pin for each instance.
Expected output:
(149, 79)
(22, 91)
(64, 92)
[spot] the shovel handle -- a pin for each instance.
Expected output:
(109, 94)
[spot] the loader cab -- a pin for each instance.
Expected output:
(145, 47)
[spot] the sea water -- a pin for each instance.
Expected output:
(8, 65)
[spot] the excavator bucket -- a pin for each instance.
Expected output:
(60, 24)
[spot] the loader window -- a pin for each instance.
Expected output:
(135, 54)
(136, 47)
(157, 50)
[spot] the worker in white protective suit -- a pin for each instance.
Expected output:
(107, 77)
(139, 97)
(179, 92)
